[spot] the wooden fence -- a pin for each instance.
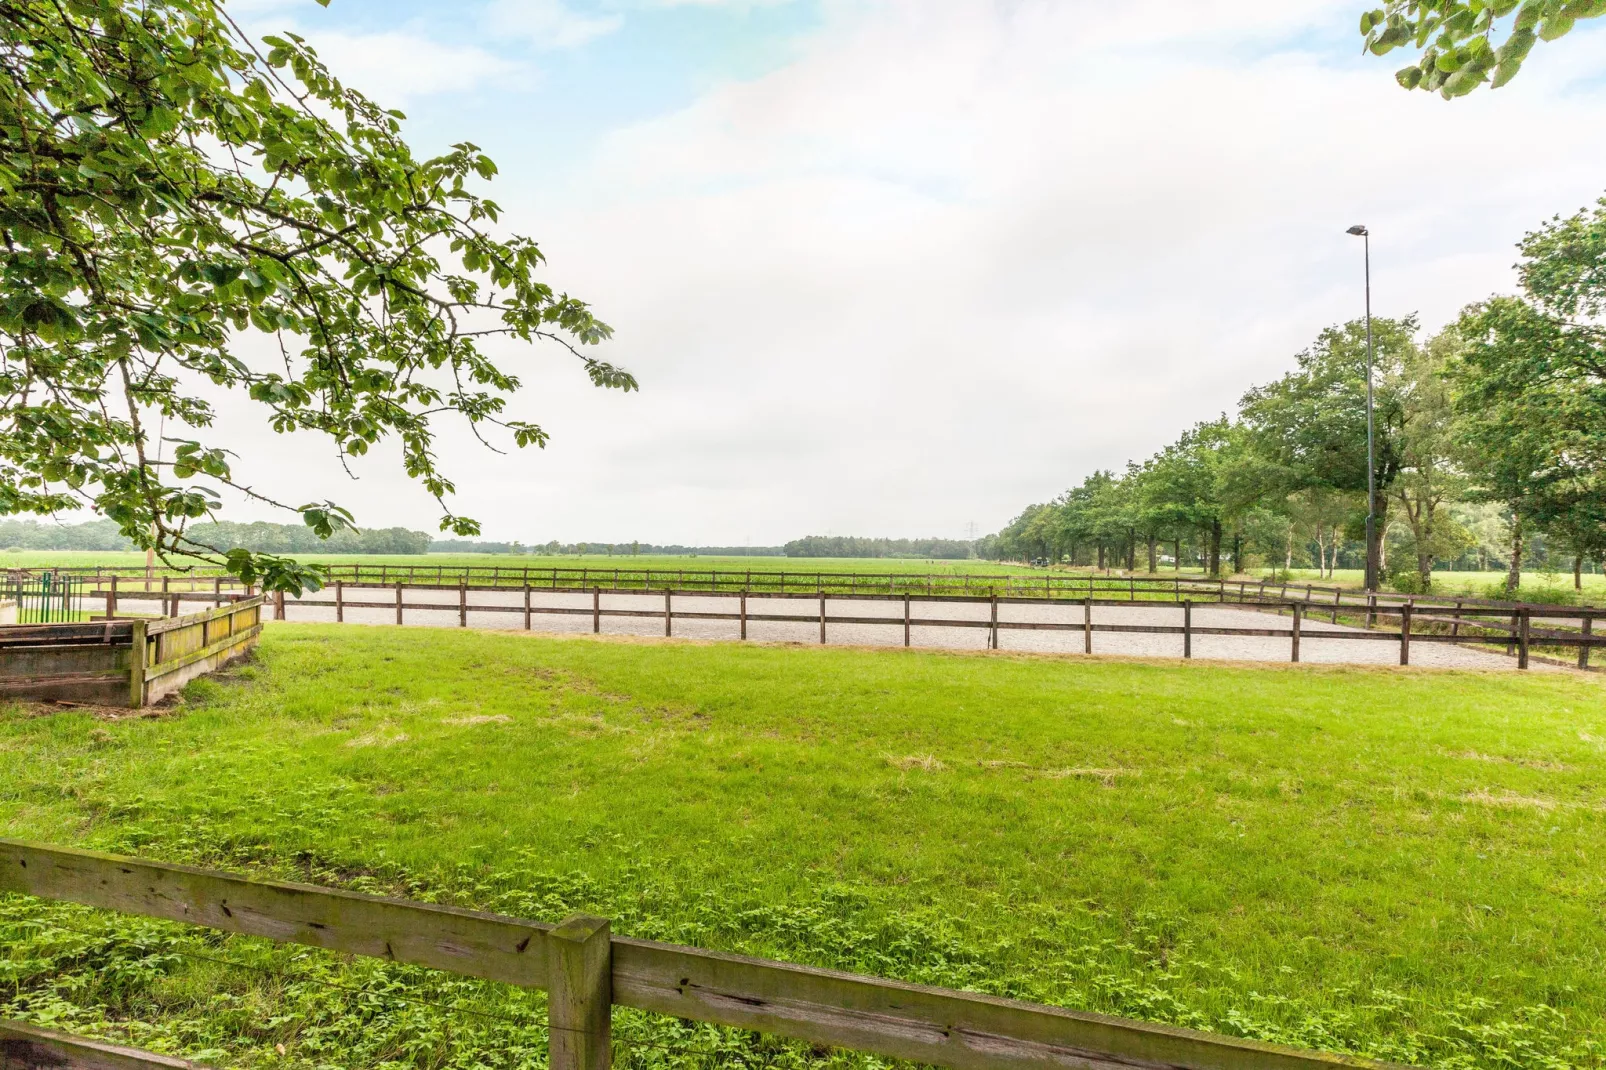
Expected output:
(123, 662)
(1403, 624)
(587, 970)
(1390, 617)
(196, 584)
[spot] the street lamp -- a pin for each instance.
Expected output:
(1371, 465)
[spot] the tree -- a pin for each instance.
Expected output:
(1310, 425)
(168, 190)
(1428, 477)
(1530, 389)
(1530, 401)
(1194, 485)
(1457, 38)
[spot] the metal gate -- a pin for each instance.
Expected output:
(47, 597)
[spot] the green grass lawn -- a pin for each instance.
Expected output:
(1538, 586)
(1401, 863)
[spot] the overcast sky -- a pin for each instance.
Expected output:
(897, 268)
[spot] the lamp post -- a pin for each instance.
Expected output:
(1371, 464)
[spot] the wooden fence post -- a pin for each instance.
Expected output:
(993, 638)
(136, 667)
(580, 1002)
(822, 618)
(1187, 628)
(1296, 632)
(596, 611)
(217, 592)
(340, 601)
(1405, 633)
(526, 602)
(398, 602)
(1522, 641)
(278, 605)
(1583, 647)
(1087, 623)
(1511, 635)
(1338, 593)
(1371, 609)
(1455, 628)
(111, 598)
(744, 614)
(668, 614)
(462, 602)
(906, 618)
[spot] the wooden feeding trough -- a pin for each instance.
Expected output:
(123, 662)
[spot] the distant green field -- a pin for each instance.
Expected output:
(1537, 586)
(1399, 863)
(65, 558)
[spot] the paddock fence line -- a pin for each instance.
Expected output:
(587, 970)
(1064, 585)
(1378, 616)
(1510, 628)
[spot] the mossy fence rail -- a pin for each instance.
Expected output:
(1523, 631)
(127, 662)
(586, 971)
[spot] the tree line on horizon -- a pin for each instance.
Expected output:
(1490, 445)
(261, 537)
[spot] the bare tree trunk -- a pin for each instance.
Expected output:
(1215, 548)
(1131, 550)
(1578, 572)
(1101, 556)
(1176, 561)
(1514, 572)
(1153, 562)
(1288, 550)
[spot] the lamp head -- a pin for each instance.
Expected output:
(1357, 230)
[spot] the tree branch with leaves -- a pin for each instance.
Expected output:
(170, 188)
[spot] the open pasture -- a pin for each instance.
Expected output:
(1403, 864)
(922, 566)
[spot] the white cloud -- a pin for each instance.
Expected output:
(958, 254)
(398, 66)
(548, 23)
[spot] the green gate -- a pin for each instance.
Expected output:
(48, 597)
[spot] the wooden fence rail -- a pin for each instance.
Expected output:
(1073, 586)
(132, 662)
(587, 970)
(1403, 624)
(24, 1046)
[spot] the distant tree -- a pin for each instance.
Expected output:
(1530, 389)
(1531, 419)
(169, 189)
(1191, 485)
(1466, 43)
(1310, 425)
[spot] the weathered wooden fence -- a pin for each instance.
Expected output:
(1404, 624)
(129, 662)
(587, 970)
(1384, 616)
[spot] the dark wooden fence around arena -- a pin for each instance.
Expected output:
(587, 971)
(1519, 629)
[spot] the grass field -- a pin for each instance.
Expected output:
(90, 558)
(1536, 586)
(1404, 864)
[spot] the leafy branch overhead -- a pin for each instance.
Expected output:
(181, 207)
(1466, 43)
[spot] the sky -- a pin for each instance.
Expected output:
(902, 267)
